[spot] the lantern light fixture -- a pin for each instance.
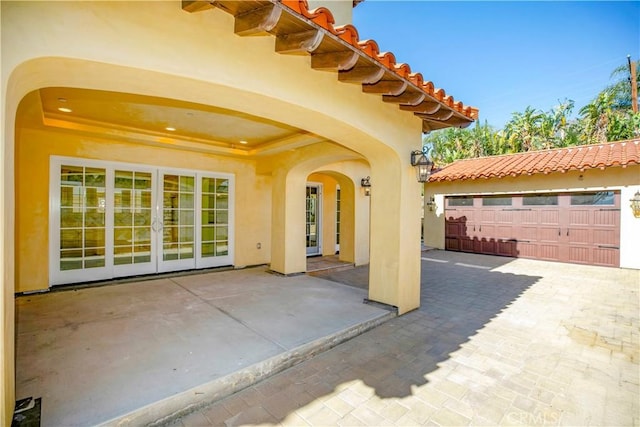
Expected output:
(431, 203)
(365, 183)
(423, 165)
(635, 204)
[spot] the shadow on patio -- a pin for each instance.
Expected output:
(460, 295)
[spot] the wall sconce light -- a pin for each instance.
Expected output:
(635, 204)
(366, 185)
(431, 203)
(422, 164)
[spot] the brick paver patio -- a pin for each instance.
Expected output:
(497, 341)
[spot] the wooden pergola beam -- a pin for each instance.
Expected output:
(192, 6)
(334, 61)
(386, 87)
(407, 97)
(441, 115)
(361, 74)
(425, 107)
(303, 42)
(256, 21)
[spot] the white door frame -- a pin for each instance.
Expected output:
(316, 250)
(338, 222)
(109, 270)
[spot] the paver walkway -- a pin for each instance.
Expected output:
(497, 341)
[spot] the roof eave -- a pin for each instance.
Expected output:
(300, 31)
(619, 154)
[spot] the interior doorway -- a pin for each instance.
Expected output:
(314, 219)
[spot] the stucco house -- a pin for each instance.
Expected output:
(146, 137)
(568, 205)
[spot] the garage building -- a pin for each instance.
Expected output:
(568, 205)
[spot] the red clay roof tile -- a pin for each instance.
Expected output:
(613, 154)
(323, 17)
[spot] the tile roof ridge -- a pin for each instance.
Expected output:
(563, 159)
(635, 141)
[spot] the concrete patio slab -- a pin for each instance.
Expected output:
(135, 353)
(497, 341)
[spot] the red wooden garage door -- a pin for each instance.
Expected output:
(581, 228)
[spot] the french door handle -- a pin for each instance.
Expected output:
(157, 225)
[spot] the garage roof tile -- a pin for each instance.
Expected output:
(614, 154)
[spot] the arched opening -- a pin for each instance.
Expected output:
(35, 132)
(345, 211)
(133, 104)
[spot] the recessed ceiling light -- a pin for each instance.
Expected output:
(65, 110)
(243, 142)
(62, 99)
(169, 128)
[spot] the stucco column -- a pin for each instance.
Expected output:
(394, 276)
(288, 250)
(12, 92)
(347, 223)
(361, 238)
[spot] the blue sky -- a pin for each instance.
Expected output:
(503, 56)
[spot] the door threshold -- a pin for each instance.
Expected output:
(133, 279)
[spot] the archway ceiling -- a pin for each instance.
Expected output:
(146, 119)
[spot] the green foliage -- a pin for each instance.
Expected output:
(452, 144)
(603, 120)
(621, 89)
(607, 118)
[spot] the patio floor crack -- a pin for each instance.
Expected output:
(231, 316)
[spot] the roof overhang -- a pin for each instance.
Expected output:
(560, 160)
(299, 31)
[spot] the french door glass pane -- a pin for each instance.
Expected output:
(208, 250)
(215, 217)
(132, 217)
(149, 221)
(142, 253)
(178, 195)
(337, 216)
(82, 217)
(311, 213)
(222, 248)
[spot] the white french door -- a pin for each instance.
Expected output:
(313, 219)
(113, 219)
(338, 219)
(129, 204)
(175, 221)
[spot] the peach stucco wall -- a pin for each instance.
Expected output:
(197, 58)
(252, 198)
